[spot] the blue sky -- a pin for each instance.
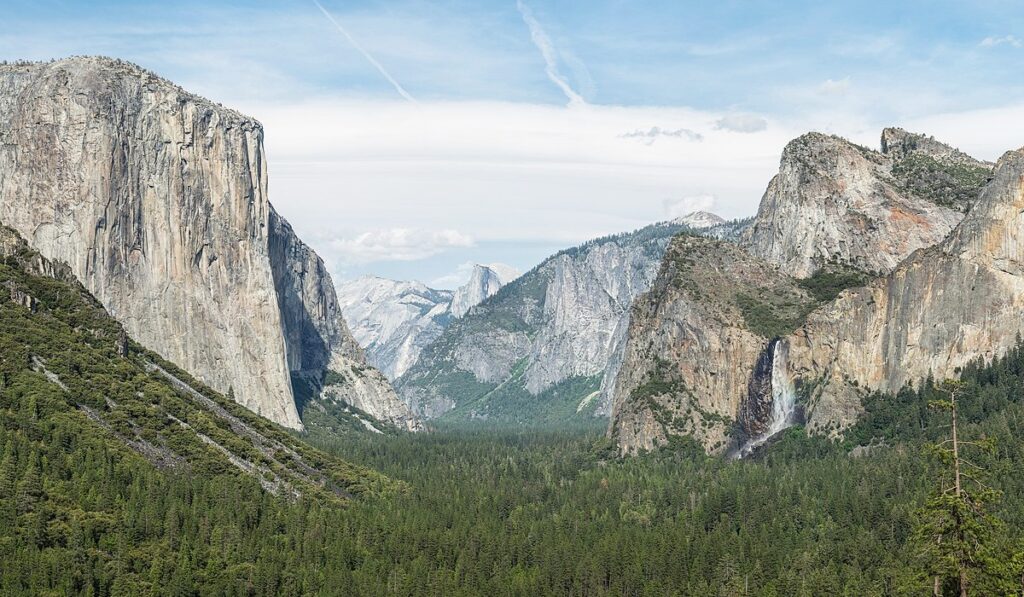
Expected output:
(528, 126)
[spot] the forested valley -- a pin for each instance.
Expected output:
(530, 512)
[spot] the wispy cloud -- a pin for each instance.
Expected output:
(398, 244)
(547, 49)
(834, 86)
(741, 123)
(651, 135)
(1009, 40)
(369, 57)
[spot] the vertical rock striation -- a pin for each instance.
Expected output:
(157, 199)
(697, 355)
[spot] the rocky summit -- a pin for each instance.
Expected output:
(862, 271)
(157, 200)
(835, 201)
(940, 309)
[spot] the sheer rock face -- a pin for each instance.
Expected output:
(563, 320)
(314, 330)
(690, 353)
(940, 309)
(483, 283)
(835, 201)
(157, 200)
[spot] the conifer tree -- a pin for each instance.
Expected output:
(956, 528)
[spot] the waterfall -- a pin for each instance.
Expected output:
(783, 392)
(783, 398)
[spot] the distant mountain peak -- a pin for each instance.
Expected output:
(394, 320)
(506, 272)
(698, 220)
(483, 283)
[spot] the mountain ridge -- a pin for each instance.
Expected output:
(394, 320)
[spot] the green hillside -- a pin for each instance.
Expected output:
(117, 468)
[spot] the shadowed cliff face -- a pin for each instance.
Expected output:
(755, 412)
(157, 200)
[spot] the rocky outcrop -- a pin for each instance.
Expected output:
(394, 320)
(547, 337)
(940, 309)
(157, 200)
(833, 201)
(694, 341)
(484, 282)
(354, 383)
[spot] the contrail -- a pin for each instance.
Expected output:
(547, 50)
(380, 68)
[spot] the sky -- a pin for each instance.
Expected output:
(409, 138)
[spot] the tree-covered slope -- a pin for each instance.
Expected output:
(117, 468)
(84, 513)
(556, 513)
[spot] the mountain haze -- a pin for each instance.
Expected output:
(395, 320)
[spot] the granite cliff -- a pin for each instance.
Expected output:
(157, 200)
(792, 312)
(834, 201)
(540, 349)
(941, 308)
(695, 340)
(394, 321)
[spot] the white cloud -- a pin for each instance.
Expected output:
(502, 172)
(651, 135)
(993, 41)
(741, 123)
(835, 87)
(547, 49)
(527, 175)
(677, 208)
(397, 244)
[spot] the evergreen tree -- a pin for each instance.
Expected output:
(956, 529)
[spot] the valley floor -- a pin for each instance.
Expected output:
(528, 512)
(531, 513)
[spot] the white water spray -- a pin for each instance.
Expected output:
(783, 398)
(783, 391)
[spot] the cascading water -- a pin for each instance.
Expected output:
(783, 399)
(783, 391)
